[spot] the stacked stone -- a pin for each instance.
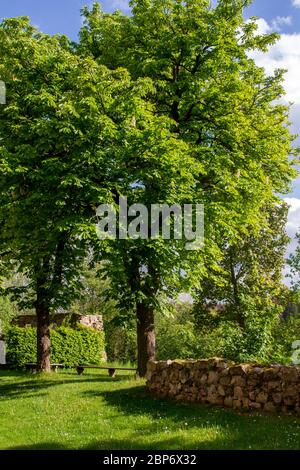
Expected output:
(274, 388)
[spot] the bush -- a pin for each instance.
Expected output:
(69, 346)
(286, 332)
(121, 343)
(176, 340)
(8, 311)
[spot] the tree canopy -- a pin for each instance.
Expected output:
(164, 106)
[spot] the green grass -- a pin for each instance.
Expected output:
(93, 411)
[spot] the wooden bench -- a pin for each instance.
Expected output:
(111, 370)
(33, 368)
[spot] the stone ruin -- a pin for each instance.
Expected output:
(58, 319)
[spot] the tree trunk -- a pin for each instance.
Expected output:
(145, 337)
(235, 288)
(43, 332)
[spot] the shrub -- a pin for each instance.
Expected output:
(69, 346)
(121, 343)
(8, 311)
(286, 332)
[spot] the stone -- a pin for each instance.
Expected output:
(277, 398)
(262, 397)
(224, 373)
(289, 401)
(270, 374)
(225, 380)
(228, 401)
(202, 364)
(289, 374)
(239, 369)
(237, 404)
(245, 402)
(216, 400)
(254, 405)
(238, 393)
(221, 364)
(238, 380)
(273, 385)
(270, 407)
(255, 371)
(212, 377)
(291, 391)
(211, 389)
(221, 391)
(203, 378)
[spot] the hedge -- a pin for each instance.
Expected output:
(69, 346)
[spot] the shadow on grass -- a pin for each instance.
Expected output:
(37, 384)
(219, 428)
(164, 424)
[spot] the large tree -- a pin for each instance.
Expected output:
(222, 108)
(73, 135)
(50, 132)
(247, 290)
(251, 268)
(62, 133)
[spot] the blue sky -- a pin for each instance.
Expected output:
(63, 16)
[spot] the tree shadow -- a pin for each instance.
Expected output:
(240, 430)
(165, 424)
(37, 384)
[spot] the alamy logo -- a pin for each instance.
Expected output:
(137, 222)
(2, 92)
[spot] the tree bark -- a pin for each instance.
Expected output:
(43, 330)
(145, 337)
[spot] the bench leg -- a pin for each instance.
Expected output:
(111, 372)
(80, 370)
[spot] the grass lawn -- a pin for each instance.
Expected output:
(93, 411)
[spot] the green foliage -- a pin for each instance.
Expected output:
(176, 334)
(265, 337)
(8, 311)
(120, 343)
(69, 346)
(227, 144)
(163, 106)
(286, 332)
(65, 133)
(294, 263)
(20, 345)
(249, 275)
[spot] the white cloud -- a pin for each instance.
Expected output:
(284, 54)
(280, 21)
(293, 225)
(120, 5)
(296, 3)
(262, 26)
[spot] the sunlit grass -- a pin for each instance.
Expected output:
(93, 411)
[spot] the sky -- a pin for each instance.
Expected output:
(283, 16)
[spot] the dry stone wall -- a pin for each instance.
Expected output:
(215, 381)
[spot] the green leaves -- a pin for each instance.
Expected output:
(164, 106)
